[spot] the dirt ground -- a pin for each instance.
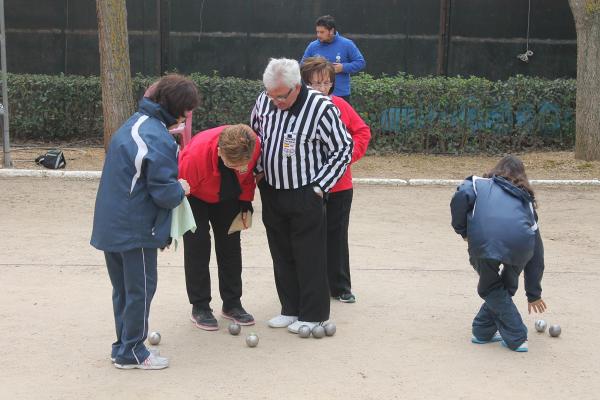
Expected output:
(407, 337)
(540, 165)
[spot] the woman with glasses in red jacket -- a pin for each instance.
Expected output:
(319, 74)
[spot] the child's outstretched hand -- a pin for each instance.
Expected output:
(537, 306)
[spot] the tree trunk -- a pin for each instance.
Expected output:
(115, 71)
(587, 125)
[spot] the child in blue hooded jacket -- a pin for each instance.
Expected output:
(496, 215)
(132, 219)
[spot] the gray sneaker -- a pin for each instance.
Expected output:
(152, 362)
(347, 297)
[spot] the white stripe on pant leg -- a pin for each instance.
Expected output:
(145, 307)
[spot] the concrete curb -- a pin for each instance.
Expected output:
(559, 182)
(40, 173)
(94, 175)
(434, 182)
(406, 182)
(456, 182)
(380, 181)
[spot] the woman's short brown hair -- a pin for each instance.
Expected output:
(237, 143)
(317, 65)
(176, 94)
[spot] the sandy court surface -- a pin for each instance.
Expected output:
(407, 337)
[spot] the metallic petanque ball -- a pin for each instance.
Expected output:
(252, 340)
(304, 331)
(234, 329)
(330, 329)
(554, 330)
(318, 332)
(540, 325)
(154, 338)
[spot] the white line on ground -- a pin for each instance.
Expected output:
(91, 175)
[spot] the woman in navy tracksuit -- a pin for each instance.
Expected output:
(132, 218)
(496, 215)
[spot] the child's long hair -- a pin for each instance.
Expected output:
(512, 169)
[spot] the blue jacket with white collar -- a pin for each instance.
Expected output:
(139, 186)
(498, 220)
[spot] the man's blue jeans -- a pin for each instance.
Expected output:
(498, 312)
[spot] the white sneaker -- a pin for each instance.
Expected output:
(296, 326)
(152, 362)
(281, 321)
(156, 352)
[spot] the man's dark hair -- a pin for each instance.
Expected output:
(176, 94)
(326, 21)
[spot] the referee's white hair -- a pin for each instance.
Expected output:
(282, 71)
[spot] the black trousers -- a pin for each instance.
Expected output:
(338, 257)
(296, 231)
(498, 312)
(491, 278)
(197, 247)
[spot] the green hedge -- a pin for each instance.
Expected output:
(434, 114)
(451, 115)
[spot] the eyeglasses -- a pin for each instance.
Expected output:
(324, 85)
(281, 98)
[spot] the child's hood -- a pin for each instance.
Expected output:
(510, 188)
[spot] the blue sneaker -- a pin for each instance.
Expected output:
(523, 348)
(495, 338)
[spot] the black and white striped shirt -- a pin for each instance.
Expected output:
(305, 144)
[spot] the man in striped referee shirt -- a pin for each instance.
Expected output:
(305, 150)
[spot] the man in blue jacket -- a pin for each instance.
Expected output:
(341, 52)
(132, 218)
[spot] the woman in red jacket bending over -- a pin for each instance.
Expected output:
(218, 165)
(319, 74)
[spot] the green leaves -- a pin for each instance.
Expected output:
(458, 115)
(592, 6)
(431, 114)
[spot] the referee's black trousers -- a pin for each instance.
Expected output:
(196, 254)
(296, 230)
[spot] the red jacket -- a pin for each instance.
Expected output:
(361, 135)
(199, 166)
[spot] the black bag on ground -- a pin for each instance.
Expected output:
(53, 159)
